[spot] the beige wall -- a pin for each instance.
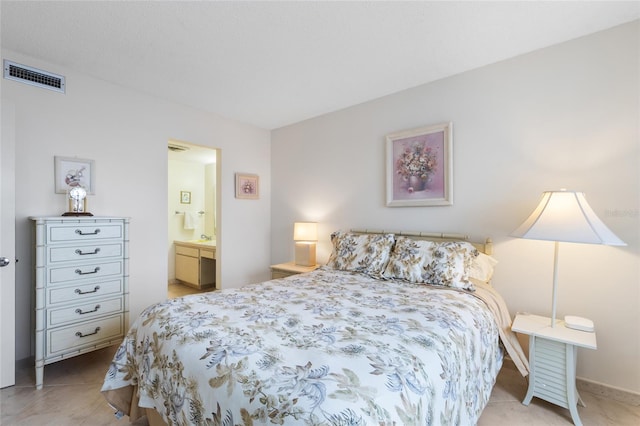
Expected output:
(562, 117)
(126, 133)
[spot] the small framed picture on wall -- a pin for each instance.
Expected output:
(71, 172)
(247, 186)
(185, 197)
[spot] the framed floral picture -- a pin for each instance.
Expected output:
(71, 172)
(420, 167)
(247, 186)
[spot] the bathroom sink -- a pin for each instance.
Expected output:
(203, 241)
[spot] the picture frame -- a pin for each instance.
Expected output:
(247, 186)
(70, 172)
(185, 197)
(420, 166)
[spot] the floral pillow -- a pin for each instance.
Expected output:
(360, 253)
(447, 263)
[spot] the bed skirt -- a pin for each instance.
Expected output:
(125, 400)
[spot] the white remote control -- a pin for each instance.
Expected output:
(578, 323)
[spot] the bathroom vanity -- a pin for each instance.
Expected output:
(196, 263)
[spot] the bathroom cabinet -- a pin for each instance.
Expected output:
(196, 263)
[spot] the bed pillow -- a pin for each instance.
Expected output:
(438, 263)
(482, 268)
(366, 253)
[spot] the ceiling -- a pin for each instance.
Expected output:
(271, 64)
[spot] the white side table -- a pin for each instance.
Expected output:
(552, 358)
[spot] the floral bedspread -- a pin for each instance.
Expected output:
(324, 348)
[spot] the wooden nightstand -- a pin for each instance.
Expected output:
(552, 358)
(283, 270)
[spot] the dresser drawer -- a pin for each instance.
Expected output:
(58, 233)
(84, 271)
(80, 293)
(84, 311)
(88, 252)
(88, 333)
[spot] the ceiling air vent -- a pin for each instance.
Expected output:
(33, 76)
(177, 148)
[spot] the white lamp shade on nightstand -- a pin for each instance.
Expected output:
(565, 216)
(305, 231)
(305, 234)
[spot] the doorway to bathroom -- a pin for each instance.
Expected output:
(192, 218)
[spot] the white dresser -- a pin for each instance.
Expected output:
(81, 286)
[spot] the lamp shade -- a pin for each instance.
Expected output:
(566, 216)
(305, 231)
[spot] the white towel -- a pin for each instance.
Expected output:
(189, 220)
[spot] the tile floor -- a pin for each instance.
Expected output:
(71, 396)
(179, 290)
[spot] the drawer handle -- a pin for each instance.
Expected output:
(79, 334)
(81, 253)
(95, 289)
(79, 311)
(95, 232)
(95, 270)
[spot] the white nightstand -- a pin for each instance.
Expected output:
(283, 270)
(552, 359)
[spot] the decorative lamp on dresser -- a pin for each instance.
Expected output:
(81, 286)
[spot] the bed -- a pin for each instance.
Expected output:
(396, 328)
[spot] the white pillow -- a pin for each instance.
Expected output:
(482, 267)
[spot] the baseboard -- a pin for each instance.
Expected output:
(597, 388)
(609, 392)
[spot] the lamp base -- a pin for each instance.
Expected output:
(305, 253)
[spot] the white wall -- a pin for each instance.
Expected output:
(126, 133)
(562, 117)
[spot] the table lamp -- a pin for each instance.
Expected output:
(305, 234)
(565, 216)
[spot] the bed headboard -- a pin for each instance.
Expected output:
(485, 247)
